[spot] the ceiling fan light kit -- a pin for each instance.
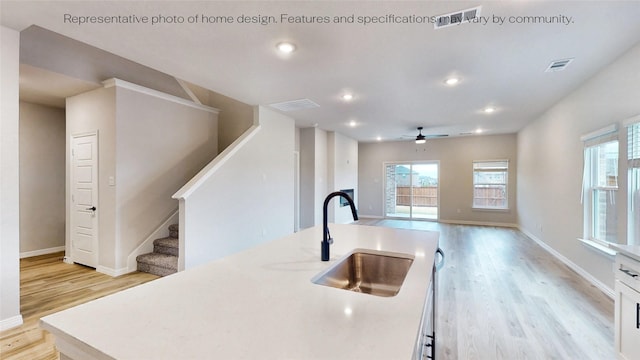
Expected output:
(420, 139)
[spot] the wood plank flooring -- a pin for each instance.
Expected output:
(500, 296)
(48, 285)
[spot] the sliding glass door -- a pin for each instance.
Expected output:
(411, 190)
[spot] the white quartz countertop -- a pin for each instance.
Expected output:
(259, 304)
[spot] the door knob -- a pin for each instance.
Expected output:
(93, 208)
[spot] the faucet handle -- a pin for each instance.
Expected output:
(330, 241)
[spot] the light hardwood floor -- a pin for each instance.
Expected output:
(48, 285)
(500, 296)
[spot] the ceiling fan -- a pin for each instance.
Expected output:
(421, 139)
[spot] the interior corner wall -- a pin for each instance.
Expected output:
(550, 158)
(342, 174)
(248, 200)
(235, 117)
(455, 156)
(42, 179)
(321, 173)
(9, 180)
(307, 177)
(313, 175)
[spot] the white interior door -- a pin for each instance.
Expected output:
(84, 199)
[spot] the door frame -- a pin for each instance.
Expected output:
(69, 252)
(384, 189)
(296, 191)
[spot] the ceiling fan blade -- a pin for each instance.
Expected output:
(436, 136)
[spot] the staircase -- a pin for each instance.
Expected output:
(163, 260)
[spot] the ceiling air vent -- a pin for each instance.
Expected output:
(294, 105)
(457, 18)
(558, 65)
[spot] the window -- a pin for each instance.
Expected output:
(633, 164)
(490, 184)
(600, 186)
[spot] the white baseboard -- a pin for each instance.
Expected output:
(478, 223)
(369, 217)
(52, 250)
(11, 322)
(112, 272)
(580, 271)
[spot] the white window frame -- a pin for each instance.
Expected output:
(633, 176)
(491, 166)
(596, 139)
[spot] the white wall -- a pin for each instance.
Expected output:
(151, 147)
(456, 156)
(160, 146)
(550, 159)
(248, 200)
(42, 179)
(342, 174)
(9, 180)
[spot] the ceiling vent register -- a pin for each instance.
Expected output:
(558, 65)
(294, 105)
(457, 18)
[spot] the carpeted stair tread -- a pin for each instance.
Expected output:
(167, 242)
(160, 260)
(167, 246)
(163, 260)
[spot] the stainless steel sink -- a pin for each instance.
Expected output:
(379, 273)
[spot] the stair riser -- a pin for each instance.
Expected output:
(165, 250)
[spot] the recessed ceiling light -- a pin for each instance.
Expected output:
(286, 47)
(489, 109)
(353, 123)
(452, 81)
(478, 131)
(347, 97)
(379, 138)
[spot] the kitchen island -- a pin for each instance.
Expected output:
(259, 304)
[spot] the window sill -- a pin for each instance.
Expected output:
(599, 247)
(490, 209)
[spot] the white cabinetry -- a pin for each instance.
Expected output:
(627, 311)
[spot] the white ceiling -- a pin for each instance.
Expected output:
(395, 71)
